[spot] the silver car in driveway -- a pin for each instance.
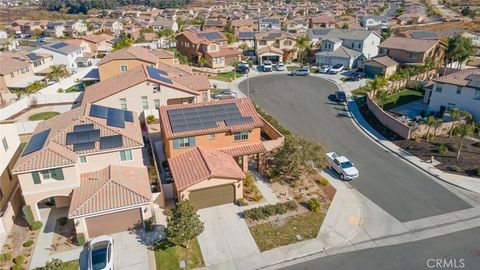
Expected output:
(100, 255)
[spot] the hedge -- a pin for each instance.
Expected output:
(266, 211)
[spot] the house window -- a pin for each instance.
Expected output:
(56, 174)
(83, 159)
(123, 103)
(384, 50)
(413, 55)
(213, 47)
(145, 103)
(262, 42)
(126, 155)
(287, 42)
(184, 142)
(211, 136)
(123, 68)
(218, 60)
(240, 136)
(438, 88)
(459, 90)
(359, 45)
(156, 103)
(156, 88)
(477, 95)
(5, 144)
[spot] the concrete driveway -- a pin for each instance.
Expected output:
(226, 236)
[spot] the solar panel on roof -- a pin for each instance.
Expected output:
(59, 45)
(111, 142)
(98, 111)
(83, 146)
(238, 121)
(246, 34)
(77, 128)
(36, 142)
(156, 75)
(128, 116)
(83, 136)
(116, 118)
(474, 80)
(33, 56)
(210, 35)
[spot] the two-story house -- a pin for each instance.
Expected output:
(16, 74)
(269, 24)
(243, 24)
(321, 21)
(212, 46)
(344, 46)
(55, 29)
(89, 160)
(275, 46)
(407, 51)
(374, 22)
(143, 89)
(10, 194)
(75, 28)
(39, 62)
(163, 23)
(99, 44)
(460, 89)
(213, 25)
(217, 138)
(63, 53)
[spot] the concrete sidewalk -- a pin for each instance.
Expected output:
(465, 182)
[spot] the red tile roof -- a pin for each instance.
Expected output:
(246, 149)
(458, 78)
(111, 188)
(408, 44)
(225, 52)
(244, 105)
(135, 53)
(201, 164)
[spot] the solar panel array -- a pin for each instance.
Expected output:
(59, 45)
(274, 35)
(36, 142)
(82, 127)
(115, 117)
(204, 117)
(474, 80)
(156, 74)
(111, 142)
(33, 56)
(210, 35)
(247, 34)
(84, 136)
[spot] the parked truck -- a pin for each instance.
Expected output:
(342, 165)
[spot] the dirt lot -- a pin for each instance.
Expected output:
(472, 26)
(469, 158)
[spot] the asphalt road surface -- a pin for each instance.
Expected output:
(302, 105)
(457, 250)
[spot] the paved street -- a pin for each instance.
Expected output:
(414, 255)
(303, 105)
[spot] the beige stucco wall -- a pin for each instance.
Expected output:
(183, 195)
(100, 161)
(18, 77)
(44, 64)
(112, 68)
(134, 95)
(33, 199)
(222, 140)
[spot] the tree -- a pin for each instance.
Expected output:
(303, 45)
(382, 97)
(230, 38)
(345, 25)
(183, 225)
(465, 50)
(57, 71)
(122, 42)
(202, 62)
(378, 83)
(54, 264)
(431, 121)
(462, 131)
(228, 27)
(386, 33)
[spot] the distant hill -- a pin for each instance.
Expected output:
(82, 6)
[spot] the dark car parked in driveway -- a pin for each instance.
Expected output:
(356, 76)
(242, 70)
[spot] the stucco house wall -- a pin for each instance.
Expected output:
(468, 99)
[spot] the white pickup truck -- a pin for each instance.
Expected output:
(342, 166)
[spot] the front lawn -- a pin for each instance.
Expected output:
(42, 116)
(401, 98)
(361, 91)
(71, 265)
(226, 76)
(271, 235)
(168, 256)
(291, 68)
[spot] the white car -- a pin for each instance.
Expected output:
(280, 66)
(267, 66)
(343, 166)
(100, 255)
(324, 68)
(336, 69)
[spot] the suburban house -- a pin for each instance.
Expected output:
(40, 62)
(10, 193)
(143, 89)
(75, 28)
(55, 29)
(382, 65)
(63, 53)
(275, 46)
(128, 58)
(438, 35)
(349, 47)
(321, 21)
(99, 44)
(407, 51)
(16, 74)
(246, 37)
(114, 27)
(243, 24)
(90, 160)
(374, 22)
(217, 138)
(212, 46)
(162, 23)
(269, 24)
(30, 27)
(460, 89)
(213, 25)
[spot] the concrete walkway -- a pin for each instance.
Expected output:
(465, 182)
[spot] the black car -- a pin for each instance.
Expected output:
(356, 76)
(242, 70)
(340, 96)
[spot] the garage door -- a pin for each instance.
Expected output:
(208, 197)
(372, 70)
(114, 223)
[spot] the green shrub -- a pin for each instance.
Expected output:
(298, 197)
(148, 225)
(28, 215)
(17, 267)
(322, 181)
(60, 90)
(442, 149)
(28, 243)
(280, 208)
(150, 119)
(241, 202)
(20, 259)
(62, 221)
(266, 211)
(430, 136)
(80, 239)
(274, 173)
(314, 205)
(36, 225)
(5, 257)
(54, 264)
(455, 168)
(291, 205)
(250, 63)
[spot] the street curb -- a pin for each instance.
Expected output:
(379, 141)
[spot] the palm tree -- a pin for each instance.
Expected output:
(382, 97)
(465, 50)
(202, 62)
(58, 71)
(378, 83)
(431, 121)
(450, 51)
(303, 45)
(462, 131)
(455, 114)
